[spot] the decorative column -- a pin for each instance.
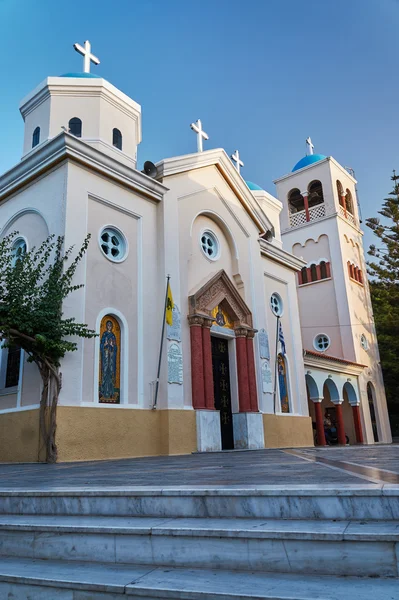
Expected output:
(242, 370)
(343, 203)
(208, 370)
(357, 423)
(321, 438)
(197, 362)
(340, 422)
(305, 196)
(253, 395)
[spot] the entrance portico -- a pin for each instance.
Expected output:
(217, 310)
(334, 393)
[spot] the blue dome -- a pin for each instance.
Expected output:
(253, 186)
(81, 75)
(308, 160)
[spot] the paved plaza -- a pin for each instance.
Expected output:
(347, 466)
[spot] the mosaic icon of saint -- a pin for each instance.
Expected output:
(220, 320)
(108, 352)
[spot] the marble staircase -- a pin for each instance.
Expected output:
(197, 544)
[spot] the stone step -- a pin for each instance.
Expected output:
(23, 579)
(368, 501)
(365, 548)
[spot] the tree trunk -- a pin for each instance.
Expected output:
(51, 380)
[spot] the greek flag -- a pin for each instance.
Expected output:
(281, 337)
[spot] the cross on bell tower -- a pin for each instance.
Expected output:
(88, 57)
(310, 146)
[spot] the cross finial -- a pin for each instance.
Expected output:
(88, 57)
(237, 160)
(201, 135)
(310, 145)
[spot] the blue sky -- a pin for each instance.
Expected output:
(262, 75)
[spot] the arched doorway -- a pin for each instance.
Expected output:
(315, 410)
(350, 409)
(222, 335)
(333, 411)
(371, 400)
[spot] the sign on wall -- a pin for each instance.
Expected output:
(264, 349)
(175, 364)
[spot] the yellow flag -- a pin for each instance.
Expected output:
(169, 307)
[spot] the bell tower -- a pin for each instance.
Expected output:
(86, 106)
(320, 224)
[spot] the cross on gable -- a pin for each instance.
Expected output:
(88, 57)
(236, 158)
(310, 145)
(201, 135)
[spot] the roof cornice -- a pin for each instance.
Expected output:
(218, 158)
(70, 86)
(331, 363)
(67, 147)
(313, 166)
(279, 255)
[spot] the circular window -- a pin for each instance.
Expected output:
(19, 248)
(210, 245)
(363, 341)
(321, 342)
(276, 304)
(113, 244)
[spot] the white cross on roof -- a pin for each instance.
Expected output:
(237, 160)
(88, 57)
(201, 135)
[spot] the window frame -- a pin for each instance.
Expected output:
(81, 126)
(36, 134)
(280, 303)
(119, 233)
(120, 139)
(213, 236)
(320, 335)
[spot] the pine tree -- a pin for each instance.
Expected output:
(33, 287)
(384, 287)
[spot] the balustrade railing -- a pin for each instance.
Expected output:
(299, 218)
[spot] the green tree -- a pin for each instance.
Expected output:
(33, 287)
(384, 287)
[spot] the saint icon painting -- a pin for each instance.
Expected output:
(110, 346)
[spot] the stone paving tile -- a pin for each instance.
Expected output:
(261, 467)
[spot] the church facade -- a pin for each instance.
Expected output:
(243, 364)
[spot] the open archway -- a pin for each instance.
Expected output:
(373, 416)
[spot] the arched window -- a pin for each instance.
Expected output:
(36, 137)
(109, 386)
(323, 269)
(304, 273)
(313, 272)
(18, 249)
(359, 276)
(117, 139)
(283, 383)
(341, 193)
(316, 196)
(295, 201)
(13, 365)
(75, 127)
(349, 202)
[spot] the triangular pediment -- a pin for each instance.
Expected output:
(220, 290)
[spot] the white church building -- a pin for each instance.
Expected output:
(272, 320)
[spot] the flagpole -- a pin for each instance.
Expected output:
(161, 344)
(275, 368)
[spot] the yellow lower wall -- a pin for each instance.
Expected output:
(100, 433)
(105, 433)
(19, 436)
(287, 431)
